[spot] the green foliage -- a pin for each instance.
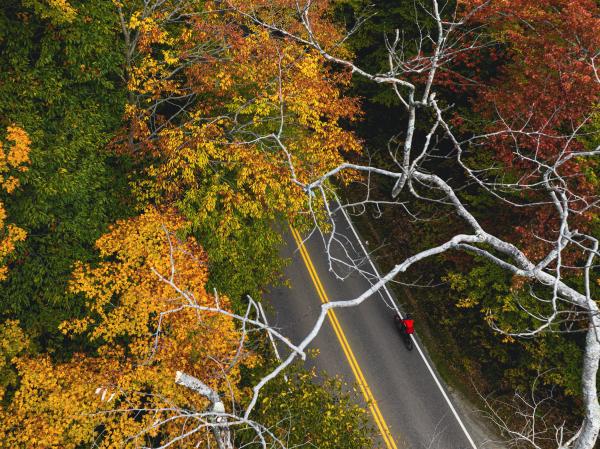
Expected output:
(490, 292)
(315, 412)
(384, 18)
(13, 343)
(476, 293)
(255, 262)
(590, 138)
(55, 11)
(60, 82)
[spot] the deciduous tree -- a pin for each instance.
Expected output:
(14, 159)
(203, 103)
(60, 81)
(126, 392)
(412, 79)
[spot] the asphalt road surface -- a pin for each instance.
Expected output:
(410, 403)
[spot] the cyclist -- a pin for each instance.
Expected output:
(406, 325)
(409, 324)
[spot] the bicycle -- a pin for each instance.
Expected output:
(408, 341)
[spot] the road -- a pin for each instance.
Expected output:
(407, 400)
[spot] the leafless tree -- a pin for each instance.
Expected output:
(524, 419)
(412, 175)
(413, 179)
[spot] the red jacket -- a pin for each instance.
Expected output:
(409, 325)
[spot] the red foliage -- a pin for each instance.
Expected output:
(545, 86)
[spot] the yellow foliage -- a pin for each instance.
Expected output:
(128, 300)
(64, 8)
(56, 11)
(14, 158)
(145, 334)
(13, 342)
(467, 302)
(43, 412)
(254, 77)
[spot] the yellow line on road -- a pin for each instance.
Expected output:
(337, 328)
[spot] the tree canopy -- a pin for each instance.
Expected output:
(153, 154)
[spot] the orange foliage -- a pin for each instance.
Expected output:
(237, 83)
(141, 326)
(118, 398)
(136, 252)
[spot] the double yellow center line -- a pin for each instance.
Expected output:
(358, 374)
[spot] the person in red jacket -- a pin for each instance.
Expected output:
(406, 325)
(409, 324)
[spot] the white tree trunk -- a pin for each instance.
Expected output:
(591, 423)
(220, 429)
